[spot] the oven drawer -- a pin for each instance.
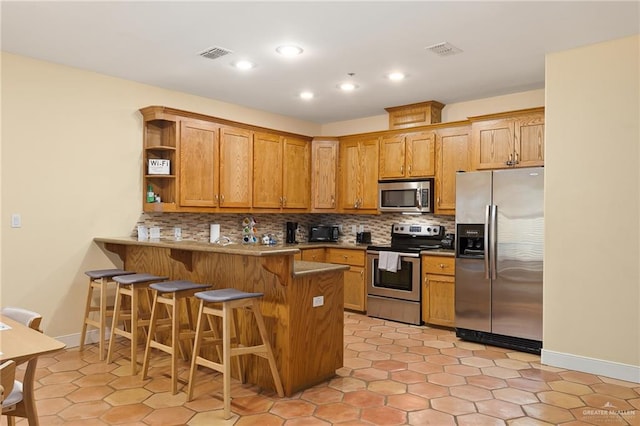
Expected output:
(345, 256)
(439, 265)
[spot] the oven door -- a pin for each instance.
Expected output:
(403, 284)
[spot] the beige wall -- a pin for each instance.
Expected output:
(453, 112)
(592, 195)
(71, 161)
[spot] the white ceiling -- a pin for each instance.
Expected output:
(158, 43)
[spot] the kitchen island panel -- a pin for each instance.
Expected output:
(307, 340)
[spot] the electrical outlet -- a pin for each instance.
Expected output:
(361, 228)
(16, 220)
(318, 301)
(353, 229)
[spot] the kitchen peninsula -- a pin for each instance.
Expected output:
(307, 340)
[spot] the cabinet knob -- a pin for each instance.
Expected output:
(345, 257)
(442, 266)
(221, 198)
(401, 170)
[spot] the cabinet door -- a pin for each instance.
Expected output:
(296, 183)
(198, 174)
(368, 178)
(236, 171)
(420, 155)
(324, 174)
(392, 157)
(452, 155)
(440, 291)
(354, 289)
(349, 175)
(492, 143)
(267, 171)
(529, 144)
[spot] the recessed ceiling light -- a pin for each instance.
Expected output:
(244, 65)
(396, 76)
(289, 50)
(306, 95)
(348, 86)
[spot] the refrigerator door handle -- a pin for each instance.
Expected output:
(487, 216)
(493, 246)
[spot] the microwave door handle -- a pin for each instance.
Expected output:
(419, 198)
(487, 216)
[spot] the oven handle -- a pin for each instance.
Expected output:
(401, 254)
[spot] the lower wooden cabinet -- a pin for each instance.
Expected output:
(355, 290)
(438, 290)
(313, 254)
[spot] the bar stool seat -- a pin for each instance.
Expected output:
(133, 286)
(222, 303)
(99, 280)
(170, 293)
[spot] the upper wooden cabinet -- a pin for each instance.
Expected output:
(414, 115)
(267, 171)
(513, 139)
(407, 156)
(280, 172)
(324, 173)
(452, 155)
(198, 175)
(213, 167)
(358, 174)
(236, 173)
(296, 174)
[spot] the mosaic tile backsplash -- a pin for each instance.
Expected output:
(195, 226)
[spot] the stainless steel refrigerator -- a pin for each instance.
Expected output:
(499, 257)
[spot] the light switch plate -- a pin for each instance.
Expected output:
(318, 301)
(16, 220)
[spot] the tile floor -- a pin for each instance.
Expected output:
(393, 374)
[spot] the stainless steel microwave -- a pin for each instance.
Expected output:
(415, 196)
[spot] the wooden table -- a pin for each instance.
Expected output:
(23, 344)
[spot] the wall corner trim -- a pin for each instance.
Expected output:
(600, 367)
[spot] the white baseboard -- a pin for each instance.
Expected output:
(600, 367)
(73, 340)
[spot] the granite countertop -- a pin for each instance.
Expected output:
(353, 246)
(240, 249)
(438, 252)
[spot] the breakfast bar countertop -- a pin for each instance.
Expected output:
(241, 249)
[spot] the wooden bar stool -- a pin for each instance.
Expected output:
(170, 294)
(222, 303)
(133, 286)
(99, 280)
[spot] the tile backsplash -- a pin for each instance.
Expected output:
(195, 226)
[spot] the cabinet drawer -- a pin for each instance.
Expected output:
(345, 256)
(313, 255)
(440, 265)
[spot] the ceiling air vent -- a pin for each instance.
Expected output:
(444, 49)
(214, 52)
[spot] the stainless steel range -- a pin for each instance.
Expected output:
(394, 272)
